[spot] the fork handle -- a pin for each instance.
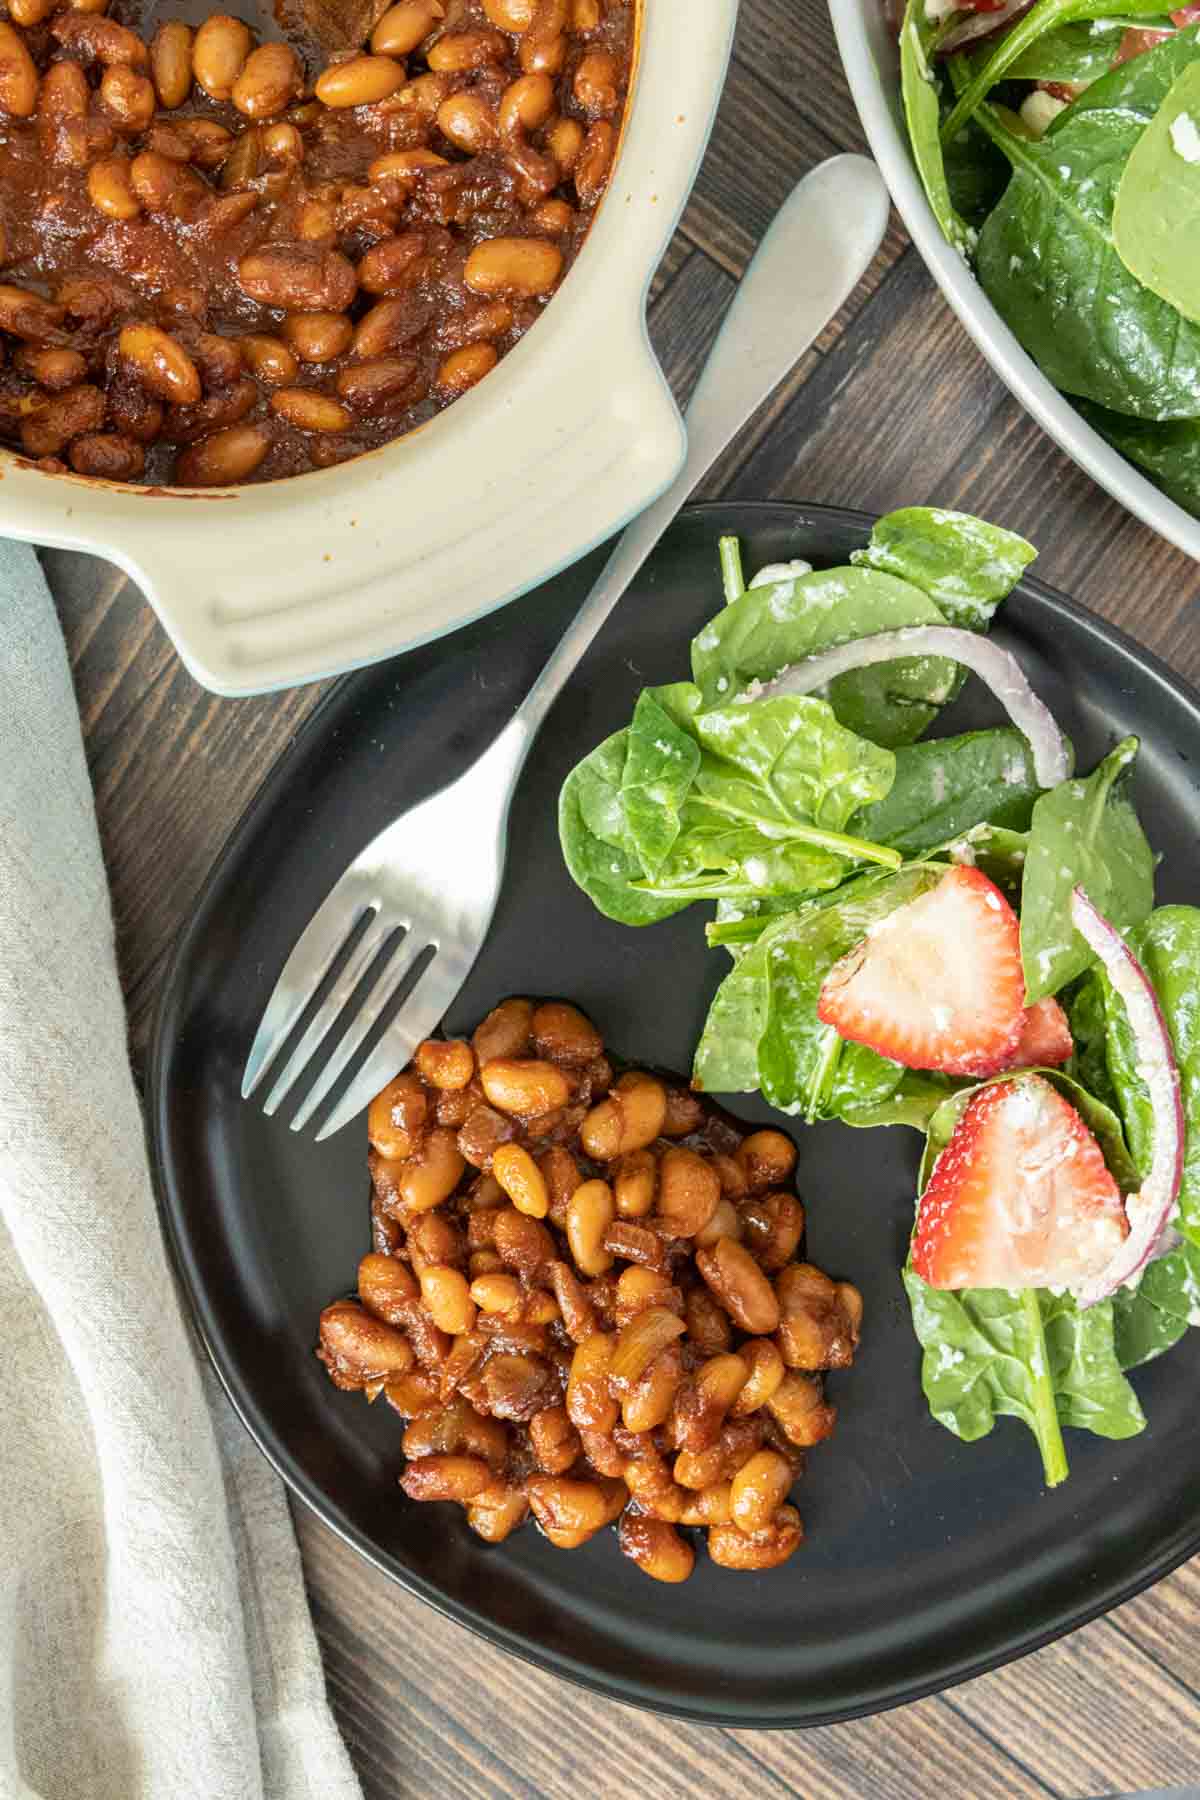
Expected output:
(811, 259)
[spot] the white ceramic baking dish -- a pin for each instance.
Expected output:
(872, 61)
(565, 441)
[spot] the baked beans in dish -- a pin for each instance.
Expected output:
(217, 269)
(586, 1299)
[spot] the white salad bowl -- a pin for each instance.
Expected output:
(571, 436)
(871, 57)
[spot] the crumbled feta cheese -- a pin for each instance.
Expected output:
(1185, 139)
(788, 571)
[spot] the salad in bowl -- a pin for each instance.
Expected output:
(1058, 145)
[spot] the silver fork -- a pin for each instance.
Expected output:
(434, 874)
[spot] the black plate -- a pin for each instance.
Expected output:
(927, 1560)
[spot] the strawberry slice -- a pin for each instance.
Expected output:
(938, 983)
(1045, 1039)
(1020, 1197)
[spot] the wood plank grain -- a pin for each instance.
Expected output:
(760, 147)
(1092, 1714)
(1162, 1622)
(788, 47)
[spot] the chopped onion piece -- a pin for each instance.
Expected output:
(1151, 1209)
(998, 668)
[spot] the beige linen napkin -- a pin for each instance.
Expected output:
(154, 1638)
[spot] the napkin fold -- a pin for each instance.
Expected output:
(155, 1643)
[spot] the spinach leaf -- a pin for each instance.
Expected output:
(737, 923)
(1087, 1016)
(1079, 52)
(716, 857)
(946, 786)
(1090, 1390)
(597, 844)
(1030, 1355)
(1150, 1318)
(997, 850)
(740, 803)
(965, 565)
(1047, 260)
(976, 174)
(1154, 213)
(726, 1059)
(787, 760)
(1167, 945)
(771, 627)
(1084, 832)
(913, 1101)
(661, 762)
(1169, 451)
(923, 113)
(1043, 17)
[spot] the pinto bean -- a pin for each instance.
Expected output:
(300, 276)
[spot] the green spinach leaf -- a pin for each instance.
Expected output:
(597, 844)
(997, 850)
(923, 115)
(1090, 1390)
(771, 627)
(1084, 832)
(726, 1059)
(1030, 1355)
(965, 565)
(913, 1101)
(719, 858)
(1047, 260)
(1169, 451)
(1079, 52)
(1043, 17)
(742, 803)
(976, 174)
(787, 760)
(1087, 1016)
(661, 762)
(1157, 199)
(1150, 1318)
(946, 786)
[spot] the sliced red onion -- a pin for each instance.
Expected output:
(976, 25)
(1151, 1209)
(998, 668)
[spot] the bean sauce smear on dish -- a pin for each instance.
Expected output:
(585, 1299)
(217, 270)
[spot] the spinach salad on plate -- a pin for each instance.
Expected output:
(1059, 147)
(956, 934)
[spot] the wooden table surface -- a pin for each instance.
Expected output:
(892, 406)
